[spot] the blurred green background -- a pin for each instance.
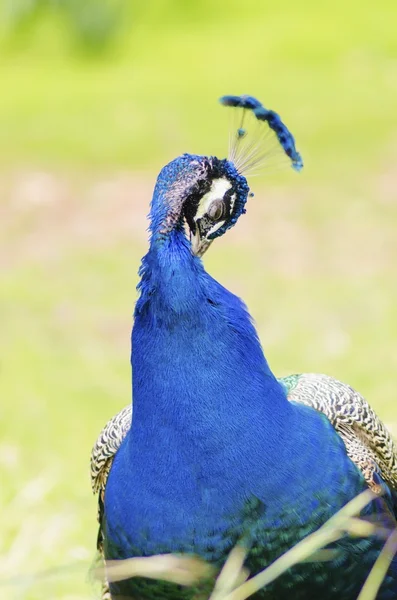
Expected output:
(95, 97)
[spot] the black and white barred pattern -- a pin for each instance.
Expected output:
(368, 442)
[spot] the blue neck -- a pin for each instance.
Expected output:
(200, 366)
(199, 373)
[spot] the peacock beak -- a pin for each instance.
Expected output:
(199, 246)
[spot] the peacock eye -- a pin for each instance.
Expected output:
(216, 209)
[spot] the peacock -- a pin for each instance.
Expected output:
(219, 450)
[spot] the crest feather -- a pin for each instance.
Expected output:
(260, 139)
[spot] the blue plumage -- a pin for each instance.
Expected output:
(216, 453)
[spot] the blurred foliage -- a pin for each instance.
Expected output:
(92, 25)
(151, 91)
(96, 97)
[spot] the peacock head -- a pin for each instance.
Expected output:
(210, 194)
(215, 204)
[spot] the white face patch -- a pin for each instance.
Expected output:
(215, 228)
(232, 201)
(218, 189)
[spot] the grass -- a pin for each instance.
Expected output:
(82, 138)
(233, 581)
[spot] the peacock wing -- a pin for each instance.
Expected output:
(368, 442)
(102, 454)
(106, 446)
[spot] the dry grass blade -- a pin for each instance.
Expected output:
(233, 573)
(360, 528)
(232, 583)
(331, 531)
(322, 555)
(380, 568)
(182, 570)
